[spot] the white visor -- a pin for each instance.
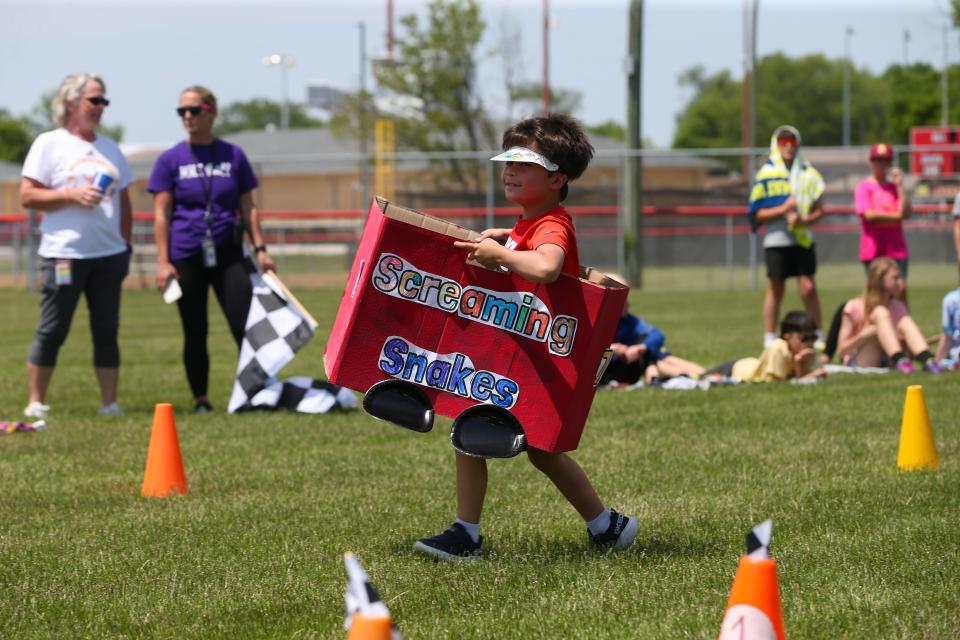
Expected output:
(522, 154)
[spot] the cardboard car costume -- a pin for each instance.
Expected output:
(414, 309)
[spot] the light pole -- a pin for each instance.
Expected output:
(283, 61)
(364, 166)
(846, 86)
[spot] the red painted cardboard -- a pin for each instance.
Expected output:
(415, 309)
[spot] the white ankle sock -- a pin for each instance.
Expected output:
(473, 528)
(600, 524)
(768, 339)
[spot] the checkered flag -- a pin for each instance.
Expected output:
(277, 327)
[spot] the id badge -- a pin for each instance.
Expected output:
(209, 253)
(63, 273)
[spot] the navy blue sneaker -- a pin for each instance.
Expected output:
(453, 544)
(619, 535)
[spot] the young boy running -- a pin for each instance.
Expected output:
(542, 155)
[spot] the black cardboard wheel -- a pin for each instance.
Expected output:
(401, 403)
(486, 431)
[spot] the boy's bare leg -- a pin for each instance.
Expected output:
(943, 350)
(811, 301)
(471, 487)
(771, 304)
(570, 479)
(672, 366)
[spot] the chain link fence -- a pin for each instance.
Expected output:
(694, 216)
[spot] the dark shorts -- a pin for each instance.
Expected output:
(900, 263)
(790, 262)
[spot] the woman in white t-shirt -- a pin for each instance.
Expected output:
(79, 180)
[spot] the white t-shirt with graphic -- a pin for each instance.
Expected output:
(58, 159)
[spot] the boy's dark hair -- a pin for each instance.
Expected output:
(559, 137)
(797, 322)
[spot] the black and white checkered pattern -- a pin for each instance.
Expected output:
(275, 331)
(758, 540)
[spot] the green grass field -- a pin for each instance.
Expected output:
(254, 550)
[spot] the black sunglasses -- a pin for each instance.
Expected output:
(99, 102)
(194, 111)
(808, 337)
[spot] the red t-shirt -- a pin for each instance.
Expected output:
(553, 227)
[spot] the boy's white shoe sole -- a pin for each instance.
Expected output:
(419, 547)
(36, 410)
(628, 535)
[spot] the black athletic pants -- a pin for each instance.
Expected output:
(231, 285)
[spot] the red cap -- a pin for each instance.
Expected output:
(881, 151)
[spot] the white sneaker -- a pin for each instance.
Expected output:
(112, 409)
(36, 410)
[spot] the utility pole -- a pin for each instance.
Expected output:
(945, 83)
(632, 214)
(847, 63)
(390, 30)
(545, 88)
(749, 115)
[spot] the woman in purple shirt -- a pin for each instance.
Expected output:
(203, 202)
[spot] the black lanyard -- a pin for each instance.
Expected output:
(205, 185)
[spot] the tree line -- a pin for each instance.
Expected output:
(807, 92)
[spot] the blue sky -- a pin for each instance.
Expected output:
(147, 51)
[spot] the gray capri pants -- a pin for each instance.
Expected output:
(100, 280)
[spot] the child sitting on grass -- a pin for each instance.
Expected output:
(877, 330)
(541, 156)
(948, 353)
(790, 356)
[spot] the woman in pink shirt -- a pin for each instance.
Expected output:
(877, 329)
(882, 204)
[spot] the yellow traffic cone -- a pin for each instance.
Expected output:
(917, 450)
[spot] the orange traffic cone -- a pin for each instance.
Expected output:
(366, 628)
(917, 450)
(164, 472)
(753, 610)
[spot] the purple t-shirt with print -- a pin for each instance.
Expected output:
(185, 172)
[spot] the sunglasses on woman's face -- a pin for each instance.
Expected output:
(808, 338)
(98, 102)
(194, 111)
